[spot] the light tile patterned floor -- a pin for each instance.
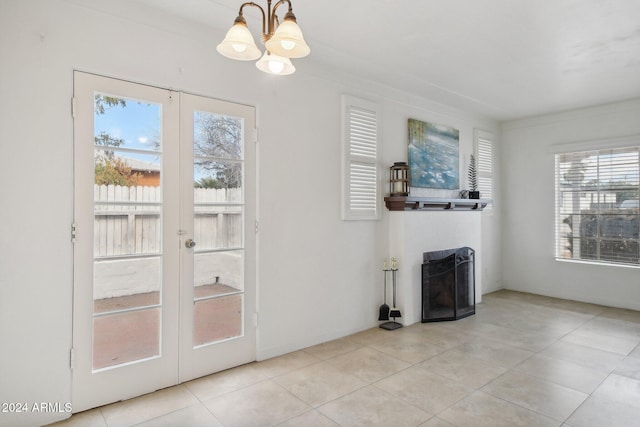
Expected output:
(522, 360)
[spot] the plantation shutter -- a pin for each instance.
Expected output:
(484, 156)
(597, 215)
(360, 165)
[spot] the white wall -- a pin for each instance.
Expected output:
(528, 198)
(394, 136)
(318, 276)
(412, 234)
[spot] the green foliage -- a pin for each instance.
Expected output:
(102, 102)
(106, 140)
(109, 170)
(208, 183)
(472, 175)
(114, 171)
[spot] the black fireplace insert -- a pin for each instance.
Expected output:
(448, 284)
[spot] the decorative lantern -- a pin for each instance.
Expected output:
(399, 179)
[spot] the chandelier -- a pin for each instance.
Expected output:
(282, 40)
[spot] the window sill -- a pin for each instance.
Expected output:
(598, 263)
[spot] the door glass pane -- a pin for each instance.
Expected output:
(221, 270)
(125, 337)
(215, 135)
(217, 227)
(218, 262)
(217, 319)
(127, 268)
(223, 176)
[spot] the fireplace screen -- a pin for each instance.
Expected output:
(448, 284)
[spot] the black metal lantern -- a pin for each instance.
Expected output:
(399, 179)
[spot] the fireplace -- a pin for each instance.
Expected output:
(448, 284)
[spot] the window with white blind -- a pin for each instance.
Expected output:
(360, 188)
(597, 213)
(483, 150)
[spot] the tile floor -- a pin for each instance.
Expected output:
(522, 360)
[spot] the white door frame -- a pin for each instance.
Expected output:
(178, 360)
(200, 361)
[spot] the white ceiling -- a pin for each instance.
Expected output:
(506, 59)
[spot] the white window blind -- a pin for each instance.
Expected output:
(360, 153)
(484, 157)
(597, 215)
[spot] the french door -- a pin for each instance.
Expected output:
(164, 272)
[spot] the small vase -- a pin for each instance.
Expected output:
(474, 194)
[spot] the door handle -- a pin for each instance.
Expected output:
(189, 243)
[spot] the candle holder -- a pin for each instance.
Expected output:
(399, 179)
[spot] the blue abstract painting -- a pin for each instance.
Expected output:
(434, 155)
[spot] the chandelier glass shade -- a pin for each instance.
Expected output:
(288, 41)
(282, 40)
(275, 64)
(238, 43)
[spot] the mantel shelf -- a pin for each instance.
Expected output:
(408, 203)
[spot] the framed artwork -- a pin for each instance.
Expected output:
(434, 158)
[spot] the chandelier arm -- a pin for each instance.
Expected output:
(264, 17)
(273, 18)
(279, 3)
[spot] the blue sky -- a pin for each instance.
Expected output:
(138, 124)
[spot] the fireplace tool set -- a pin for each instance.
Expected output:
(385, 311)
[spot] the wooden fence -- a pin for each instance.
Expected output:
(128, 221)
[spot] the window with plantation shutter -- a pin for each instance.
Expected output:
(597, 213)
(483, 148)
(360, 159)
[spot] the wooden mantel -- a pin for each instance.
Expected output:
(408, 203)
